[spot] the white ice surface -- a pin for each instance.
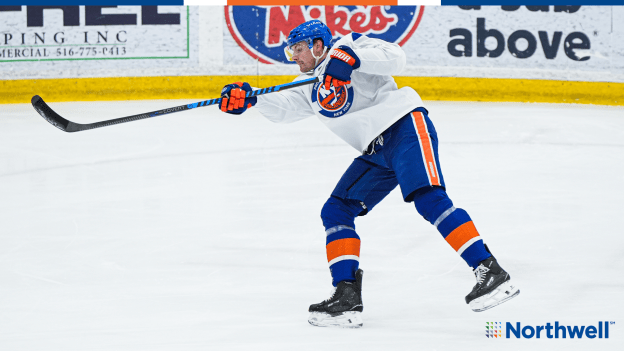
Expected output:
(201, 231)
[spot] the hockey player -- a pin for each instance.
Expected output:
(358, 100)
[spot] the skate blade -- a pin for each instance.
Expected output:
(343, 320)
(503, 293)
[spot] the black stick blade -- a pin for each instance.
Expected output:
(54, 118)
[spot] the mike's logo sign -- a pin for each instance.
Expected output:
(262, 30)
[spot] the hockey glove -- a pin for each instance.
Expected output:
(233, 98)
(341, 64)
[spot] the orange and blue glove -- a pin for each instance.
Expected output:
(341, 64)
(233, 98)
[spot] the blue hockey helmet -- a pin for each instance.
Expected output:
(308, 31)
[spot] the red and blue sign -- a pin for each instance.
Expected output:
(58, 3)
(261, 31)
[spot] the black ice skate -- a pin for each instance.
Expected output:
(343, 309)
(493, 286)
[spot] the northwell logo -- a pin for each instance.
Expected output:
(550, 331)
(493, 329)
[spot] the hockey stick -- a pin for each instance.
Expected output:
(68, 126)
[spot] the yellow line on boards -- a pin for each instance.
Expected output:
(515, 90)
(208, 87)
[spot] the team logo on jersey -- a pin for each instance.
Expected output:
(334, 102)
(261, 31)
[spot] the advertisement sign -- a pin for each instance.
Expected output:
(261, 31)
(534, 42)
(70, 33)
(577, 43)
(533, 37)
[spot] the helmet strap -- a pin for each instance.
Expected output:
(317, 59)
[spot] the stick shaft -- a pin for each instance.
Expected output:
(68, 126)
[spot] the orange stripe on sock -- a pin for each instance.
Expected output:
(426, 146)
(461, 235)
(340, 247)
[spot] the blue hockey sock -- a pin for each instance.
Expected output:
(453, 223)
(343, 243)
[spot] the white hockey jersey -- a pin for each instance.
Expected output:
(357, 112)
